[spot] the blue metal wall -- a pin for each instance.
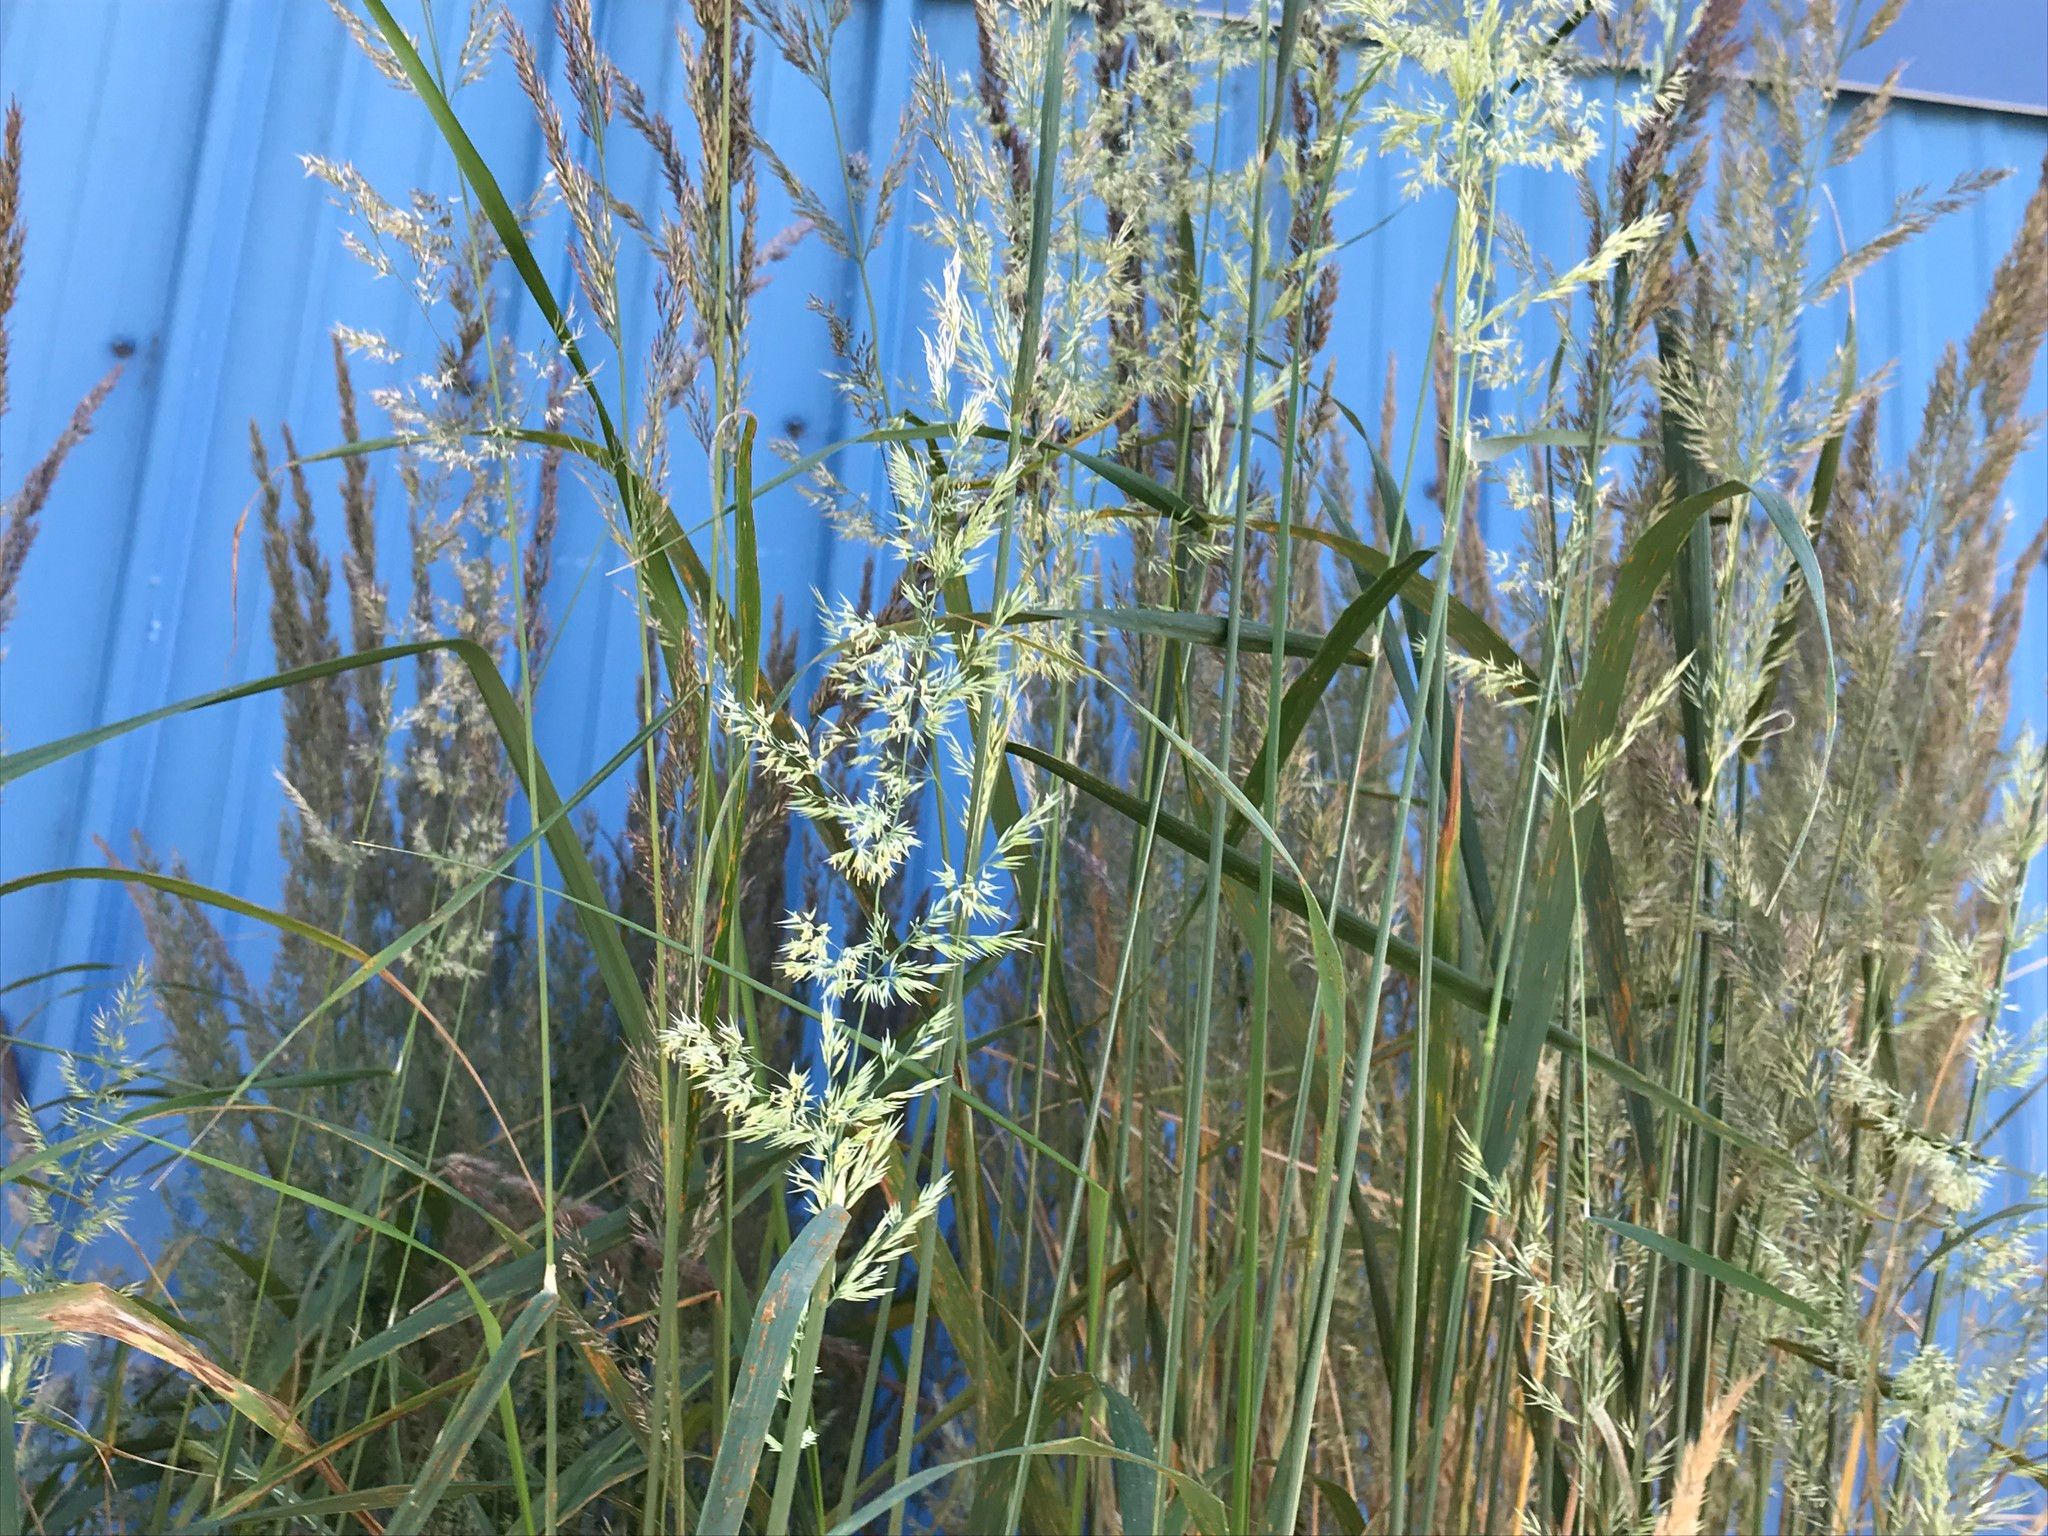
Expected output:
(169, 214)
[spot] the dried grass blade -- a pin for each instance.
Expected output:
(1681, 1517)
(91, 1308)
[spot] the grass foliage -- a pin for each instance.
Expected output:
(1218, 997)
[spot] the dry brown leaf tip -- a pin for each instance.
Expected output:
(1681, 1517)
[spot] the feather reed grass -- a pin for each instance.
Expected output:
(1218, 996)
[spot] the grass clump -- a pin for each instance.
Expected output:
(1233, 988)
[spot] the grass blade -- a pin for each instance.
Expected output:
(92, 1308)
(1733, 1276)
(1307, 690)
(1546, 953)
(1137, 1481)
(1343, 1508)
(1192, 628)
(463, 1426)
(1345, 925)
(746, 562)
(770, 1341)
(10, 1480)
(656, 545)
(1650, 1089)
(622, 986)
(1785, 627)
(1205, 1510)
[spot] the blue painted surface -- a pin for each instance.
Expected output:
(1989, 51)
(168, 210)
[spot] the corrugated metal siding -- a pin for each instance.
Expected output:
(168, 213)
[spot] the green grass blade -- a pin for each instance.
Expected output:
(614, 1459)
(1720, 1270)
(88, 1307)
(1470, 632)
(1785, 626)
(15, 765)
(348, 1213)
(1192, 628)
(10, 1480)
(656, 541)
(622, 987)
(175, 1104)
(1283, 70)
(1039, 1504)
(1962, 1235)
(477, 172)
(1648, 1088)
(1044, 185)
(250, 1502)
(1204, 1508)
(1792, 530)
(463, 1426)
(1692, 590)
(501, 1282)
(1137, 1481)
(1466, 629)
(1345, 925)
(1546, 952)
(777, 1318)
(354, 1502)
(1139, 487)
(1306, 691)
(1343, 1508)
(746, 562)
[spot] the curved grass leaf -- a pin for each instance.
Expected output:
(1193, 628)
(1345, 924)
(1137, 1481)
(251, 1499)
(622, 988)
(175, 1104)
(190, 890)
(1350, 1519)
(1792, 530)
(770, 1341)
(1204, 1509)
(605, 1235)
(10, 1480)
(91, 1308)
(1465, 628)
(1692, 589)
(461, 1430)
(355, 1502)
(1462, 623)
(615, 1459)
(655, 547)
(1733, 1276)
(1040, 1504)
(746, 562)
(1140, 488)
(1298, 706)
(336, 1208)
(1649, 1089)
(1785, 625)
(1962, 1235)
(1555, 905)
